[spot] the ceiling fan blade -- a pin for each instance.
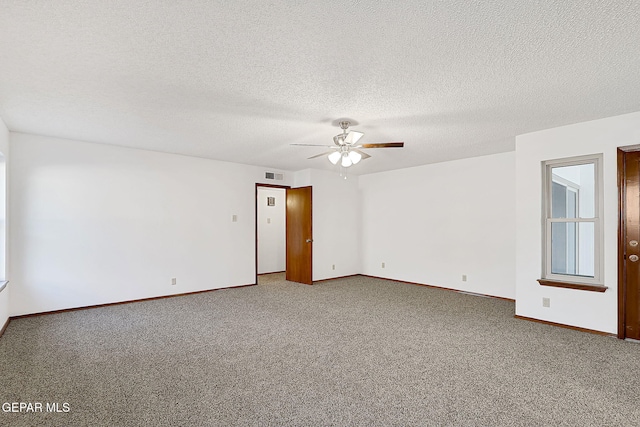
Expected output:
(383, 145)
(320, 155)
(353, 137)
(362, 153)
(314, 145)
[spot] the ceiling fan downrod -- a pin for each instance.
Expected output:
(344, 125)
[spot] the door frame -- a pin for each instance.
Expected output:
(284, 187)
(622, 212)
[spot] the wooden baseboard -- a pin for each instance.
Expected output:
(440, 287)
(575, 328)
(335, 278)
(66, 310)
(4, 328)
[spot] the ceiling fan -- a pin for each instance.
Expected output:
(346, 149)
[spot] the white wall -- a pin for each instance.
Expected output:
(3, 216)
(591, 310)
(432, 224)
(4, 157)
(271, 231)
(336, 227)
(97, 224)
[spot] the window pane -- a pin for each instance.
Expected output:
(558, 200)
(573, 191)
(573, 248)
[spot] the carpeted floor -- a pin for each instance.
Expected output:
(355, 351)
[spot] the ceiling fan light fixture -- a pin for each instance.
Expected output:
(355, 157)
(335, 157)
(346, 160)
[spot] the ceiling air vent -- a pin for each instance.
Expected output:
(271, 175)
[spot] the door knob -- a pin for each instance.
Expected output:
(311, 240)
(633, 258)
(633, 243)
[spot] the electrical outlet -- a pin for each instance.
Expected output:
(464, 277)
(234, 218)
(383, 265)
(268, 220)
(546, 302)
(333, 266)
(173, 281)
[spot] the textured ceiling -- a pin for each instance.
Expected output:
(241, 80)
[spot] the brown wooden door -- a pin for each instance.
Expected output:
(299, 235)
(629, 245)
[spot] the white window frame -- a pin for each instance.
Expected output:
(547, 220)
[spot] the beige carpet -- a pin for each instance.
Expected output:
(356, 351)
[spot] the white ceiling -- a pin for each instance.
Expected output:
(241, 80)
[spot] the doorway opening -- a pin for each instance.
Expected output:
(270, 229)
(298, 228)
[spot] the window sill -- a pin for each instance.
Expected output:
(579, 286)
